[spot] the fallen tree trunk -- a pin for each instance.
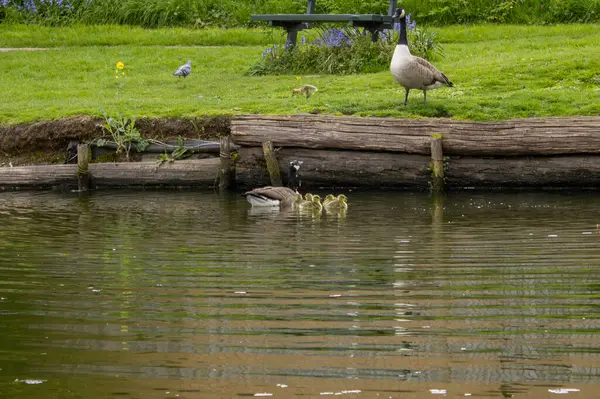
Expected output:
(329, 168)
(192, 173)
(532, 136)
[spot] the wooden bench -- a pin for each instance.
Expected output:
(293, 23)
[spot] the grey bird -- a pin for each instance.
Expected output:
(184, 70)
(410, 71)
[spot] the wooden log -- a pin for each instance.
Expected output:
(532, 136)
(331, 169)
(517, 172)
(226, 179)
(38, 176)
(83, 158)
(388, 170)
(272, 165)
(337, 168)
(437, 164)
(184, 173)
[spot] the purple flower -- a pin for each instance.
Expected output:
(29, 5)
(333, 37)
(410, 25)
(267, 52)
(303, 40)
(4, 3)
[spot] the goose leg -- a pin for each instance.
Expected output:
(406, 97)
(424, 96)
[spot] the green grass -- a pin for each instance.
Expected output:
(118, 35)
(499, 72)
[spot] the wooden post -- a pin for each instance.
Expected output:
(272, 164)
(437, 164)
(83, 176)
(227, 165)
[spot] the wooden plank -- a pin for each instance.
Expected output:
(533, 136)
(296, 18)
(196, 173)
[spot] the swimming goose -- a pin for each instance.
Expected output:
(410, 71)
(335, 204)
(284, 197)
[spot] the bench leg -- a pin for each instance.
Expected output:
(374, 35)
(292, 37)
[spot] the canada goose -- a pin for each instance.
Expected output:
(184, 70)
(284, 197)
(336, 204)
(307, 90)
(413, 72)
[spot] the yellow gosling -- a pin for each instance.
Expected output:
(316, 202)
(328, 199)
(337, 204)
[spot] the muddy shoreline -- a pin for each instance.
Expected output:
(46, 142)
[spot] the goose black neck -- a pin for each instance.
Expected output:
(403, 39)
(293, 180)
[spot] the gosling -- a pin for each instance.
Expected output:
(307, 90)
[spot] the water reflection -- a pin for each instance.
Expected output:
(136, 294)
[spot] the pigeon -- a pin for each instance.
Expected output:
(184, 70)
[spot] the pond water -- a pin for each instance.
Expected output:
(149, 294)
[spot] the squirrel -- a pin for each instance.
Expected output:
(307, 90)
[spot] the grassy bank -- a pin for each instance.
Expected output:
(500, 72)
(232, 13)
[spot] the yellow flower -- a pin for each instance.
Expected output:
(120, 65)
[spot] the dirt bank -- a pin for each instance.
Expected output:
(46, 142)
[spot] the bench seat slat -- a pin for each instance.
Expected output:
(322, 17)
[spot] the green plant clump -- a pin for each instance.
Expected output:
(344, 51)
(124, 135)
